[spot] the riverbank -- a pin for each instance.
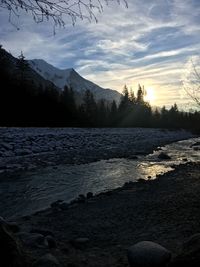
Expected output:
(25, 149)
(98, 230)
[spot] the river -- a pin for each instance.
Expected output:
(36, 190)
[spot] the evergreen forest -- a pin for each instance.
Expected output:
(26, 103)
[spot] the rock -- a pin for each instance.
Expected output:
(7, 146)
(2, 220)
(41, 231)
(81, 198)
(51, 243)
(64, 206)
(56, 204)
(48, 260)
(13, 227)
(163, 156)
(190, 253)
(22, 152)
(10, 226)
(14, 166)
(8, 154)
(148, 254)
(141, 180)
(196, 144)
(10, 251)
(193, 243)
(80, 242)
(89, 195)
(32, 239)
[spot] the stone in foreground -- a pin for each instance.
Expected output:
(190, 253)
(47, 260)
(163, 156)
(148, 254)
(10, 250)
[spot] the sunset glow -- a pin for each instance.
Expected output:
(150, 95)
(153, 50)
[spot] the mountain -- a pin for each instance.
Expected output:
(30, 75)
(72, 79)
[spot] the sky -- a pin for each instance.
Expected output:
(150, 42)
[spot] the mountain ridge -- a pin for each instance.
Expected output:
(71, 78)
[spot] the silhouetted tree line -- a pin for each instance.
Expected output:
(23, 103)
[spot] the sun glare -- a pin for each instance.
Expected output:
(150, 95)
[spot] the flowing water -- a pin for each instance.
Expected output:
(36, 190)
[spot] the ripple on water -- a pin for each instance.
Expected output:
(37, 189)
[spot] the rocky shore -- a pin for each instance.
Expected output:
(98, 230)
(24, 149)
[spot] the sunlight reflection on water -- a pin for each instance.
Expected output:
(36, 190)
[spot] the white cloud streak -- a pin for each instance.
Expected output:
(148, 43)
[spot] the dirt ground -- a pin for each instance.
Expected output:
(165, 210)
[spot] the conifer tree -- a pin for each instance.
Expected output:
(140, 95)
(22, 66)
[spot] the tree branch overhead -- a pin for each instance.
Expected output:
(58, 10)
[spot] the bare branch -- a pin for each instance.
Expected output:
(57, 10)
(191, 82)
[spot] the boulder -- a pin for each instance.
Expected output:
(163, 156)
(148, 254)
(48, 260)
(10, 250)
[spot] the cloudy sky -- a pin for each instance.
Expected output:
(149, 43)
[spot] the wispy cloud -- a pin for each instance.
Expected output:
(148, 43)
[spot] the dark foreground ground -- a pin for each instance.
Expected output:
(166, 211)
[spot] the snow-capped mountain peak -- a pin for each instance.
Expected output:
(69, 77)
(59, 77)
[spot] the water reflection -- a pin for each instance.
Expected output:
(149, 170)
(36, 190)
